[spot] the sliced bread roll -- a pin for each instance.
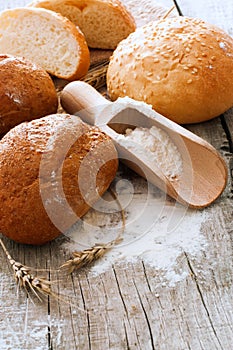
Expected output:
(104, 22)
(46, 38)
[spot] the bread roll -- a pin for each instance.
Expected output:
(104, 22)
(181, 66)
(46, 38)
(26, 92)
(51, 171)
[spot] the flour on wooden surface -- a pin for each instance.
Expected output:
(156, 232)
(13, 315)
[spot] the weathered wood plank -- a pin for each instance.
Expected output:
(228, 121)
(19, 328)
(213, 273)
(132, 305)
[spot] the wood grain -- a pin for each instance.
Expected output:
(133, 305)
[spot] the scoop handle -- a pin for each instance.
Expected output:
(81, 98)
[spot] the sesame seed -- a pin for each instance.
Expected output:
(186, 68)
(203, 44)
(156, 60)
(213, 58)
(204, 54)
(176, 54)
(187, 49)
(199, 59)
(189, 81)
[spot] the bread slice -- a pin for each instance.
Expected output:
(104, 22)
(47, 39)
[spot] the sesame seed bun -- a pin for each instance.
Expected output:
(181, 66)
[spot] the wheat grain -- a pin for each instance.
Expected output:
(24, 278)
(88, 256)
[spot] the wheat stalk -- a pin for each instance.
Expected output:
(96, 76)
(169, 11)
(25, 279)
(88, 256)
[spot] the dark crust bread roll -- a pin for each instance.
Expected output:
(51, 171)
(26, 92)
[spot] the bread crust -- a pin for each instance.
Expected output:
(48, 169)
(49, 49)
(78, 11)
(181, 66)
(26, 92)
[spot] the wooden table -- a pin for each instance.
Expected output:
(171, 288)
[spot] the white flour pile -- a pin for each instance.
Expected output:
(155, 233)
(155, 145)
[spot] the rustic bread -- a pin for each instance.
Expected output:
(46, 38)
(104, 22)
(51, 171)
(26, 92)
(181, 66)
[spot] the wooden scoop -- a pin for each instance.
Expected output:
(204, 174)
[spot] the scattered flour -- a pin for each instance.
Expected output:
(156, 233)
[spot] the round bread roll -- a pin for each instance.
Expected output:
(26, 92)
(52, 170)
(181, 66)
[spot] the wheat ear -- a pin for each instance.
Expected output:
(25, 279)
(88, 256)
(96, 76)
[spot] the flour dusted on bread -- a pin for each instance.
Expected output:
(46, 38)
(51, 171)
(104, 22)
(181, 66)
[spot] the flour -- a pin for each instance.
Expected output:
(156, 233)
(157, 147)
